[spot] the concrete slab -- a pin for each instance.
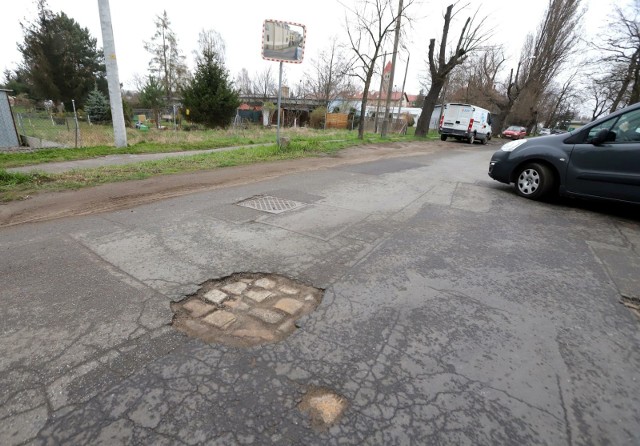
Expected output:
(623, 265)
(324, 222)
(383, 167)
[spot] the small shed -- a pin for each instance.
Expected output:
(8, 133)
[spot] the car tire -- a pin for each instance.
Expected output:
(489, 136)
(472, 138)
(534, 181)
(443, 137)
(485, 140)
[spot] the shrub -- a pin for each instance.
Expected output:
(409, 119)
(97, 107)
(316, 119)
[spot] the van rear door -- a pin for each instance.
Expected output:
(457, 116)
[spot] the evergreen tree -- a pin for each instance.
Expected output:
(97, 106)
(16, 81)
(60, 59)
(210, 96)
(152, 96)
(127, 110)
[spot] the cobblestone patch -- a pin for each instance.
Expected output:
(245, 309)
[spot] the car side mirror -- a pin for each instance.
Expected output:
(602, 136)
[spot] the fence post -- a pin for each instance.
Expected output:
(75, 118)
(21, 123)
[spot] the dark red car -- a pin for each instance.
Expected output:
(514, 132)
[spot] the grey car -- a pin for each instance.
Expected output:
(600, 160)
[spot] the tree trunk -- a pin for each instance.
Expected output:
(625, 83)
(363, 107)
(422, 128)
(635, 88)
(498, 122)
(499, 119)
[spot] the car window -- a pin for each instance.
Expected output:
(627, 127)
(624, 128)
(608, 124)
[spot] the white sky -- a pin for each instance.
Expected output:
(240, 24)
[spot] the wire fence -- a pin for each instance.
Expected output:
(397, 125)
(48, 128)
(45, 130)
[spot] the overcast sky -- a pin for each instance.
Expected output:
(240, 24)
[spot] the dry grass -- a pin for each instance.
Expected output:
(93, 135)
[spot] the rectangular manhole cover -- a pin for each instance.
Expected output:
(273, 205)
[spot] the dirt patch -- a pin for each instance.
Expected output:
(117, 196)
(324, 407)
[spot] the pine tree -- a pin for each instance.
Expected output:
(210, 96)
(97, 106)
(60, 59)
(152, 96)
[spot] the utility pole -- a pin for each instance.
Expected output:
(385, 123)
(404, 81)
(279, 104)
(115, 96)
(384, 61)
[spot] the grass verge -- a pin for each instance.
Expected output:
(188, 141)
(15, 186)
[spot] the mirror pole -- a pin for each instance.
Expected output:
(279, 103)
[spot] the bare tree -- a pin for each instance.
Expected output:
(244, 83)
(471, 38)
(542, 57)
(167, 62)
(328, 77)
(264, 83)
(369, 25)
(621, 47)
(557, 101)
(210, 42)
(601, 93)
(474, 80)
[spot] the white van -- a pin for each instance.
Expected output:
(465, 121)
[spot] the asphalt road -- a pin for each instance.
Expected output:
(454, 312)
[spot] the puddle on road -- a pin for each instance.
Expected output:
(245, 309)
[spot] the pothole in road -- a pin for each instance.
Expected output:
(324, 407)
(632, 303)
(245, 309)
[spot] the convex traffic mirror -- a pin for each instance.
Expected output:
(283, 41)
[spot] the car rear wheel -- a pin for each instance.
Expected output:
(472, 138)
(534, 181)
(443, 137)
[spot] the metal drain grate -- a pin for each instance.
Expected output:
(273, 205)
